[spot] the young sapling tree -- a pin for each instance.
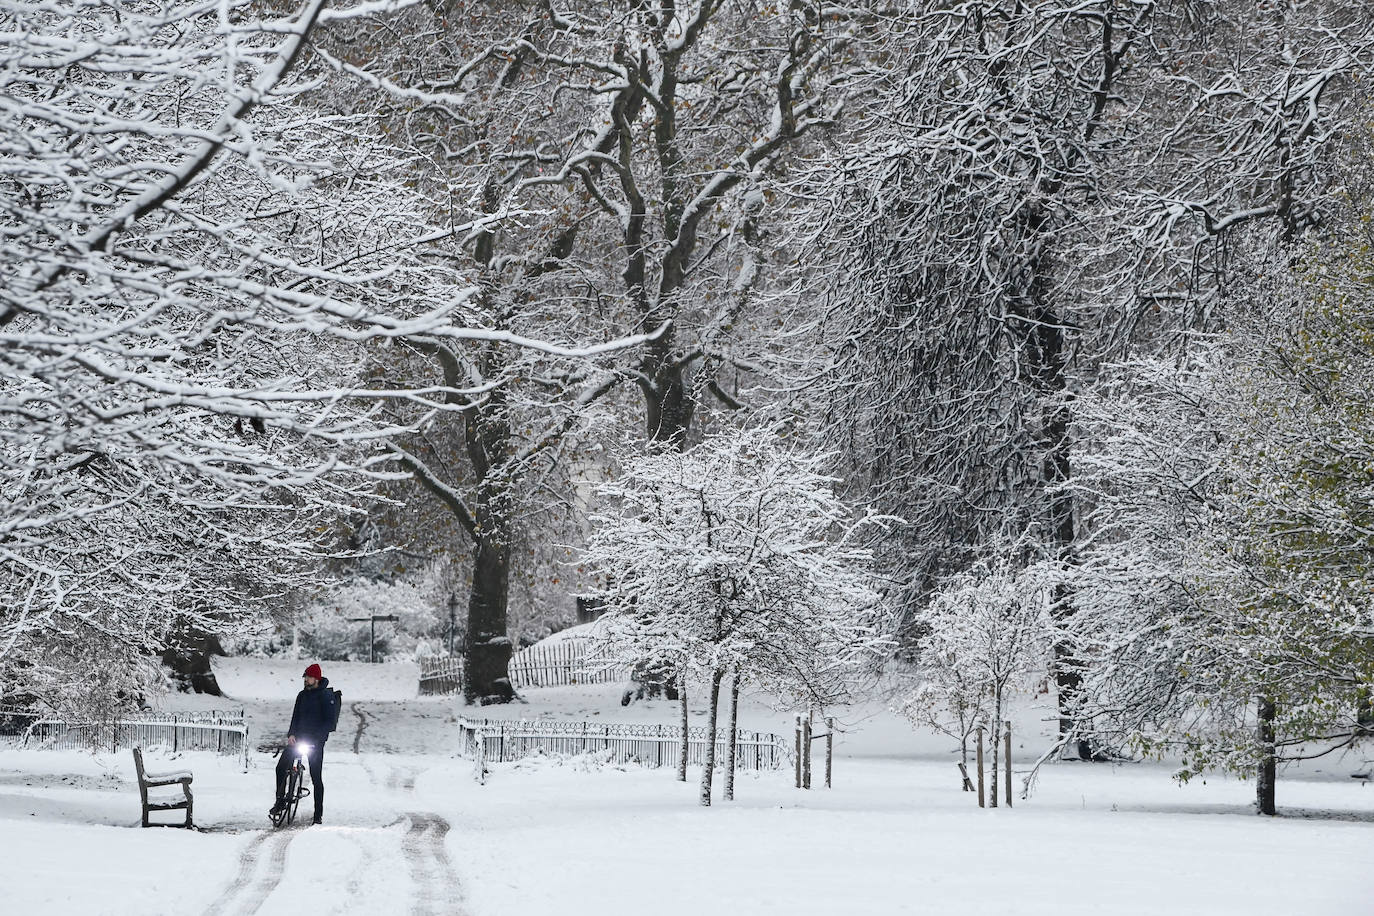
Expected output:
(736, 556)
(988, 635)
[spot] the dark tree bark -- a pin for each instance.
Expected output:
(188, 656)
(485, 516)
(668, 404)
(1266, 773)
(486, 647)
(1044, 354)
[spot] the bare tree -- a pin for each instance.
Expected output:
(644, 134)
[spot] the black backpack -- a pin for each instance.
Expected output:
(334, 710)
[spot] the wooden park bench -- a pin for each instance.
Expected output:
(164, 801)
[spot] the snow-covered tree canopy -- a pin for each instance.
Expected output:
(643, 135)
(202, 245)
(737, 556)
(985, 635)
(1032, 188)
(1230, 502)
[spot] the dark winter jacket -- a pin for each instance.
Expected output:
(313, 713)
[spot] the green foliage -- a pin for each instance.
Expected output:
(1286, 577)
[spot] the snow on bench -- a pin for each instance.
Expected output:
(163, 801)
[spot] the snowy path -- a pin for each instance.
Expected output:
(436, 887)
(409, 831)
(433, 887)
(417, 837)
(261, 866)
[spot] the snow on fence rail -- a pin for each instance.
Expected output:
(502, 740)
(555, 664)
(221, 732)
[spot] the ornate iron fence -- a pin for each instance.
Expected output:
(221, 732)
(501, 740)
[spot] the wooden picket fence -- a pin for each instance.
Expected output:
(557, 664)
(221, 732)
(441, 674)
(504, 740)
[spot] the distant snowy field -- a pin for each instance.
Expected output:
(407, 829)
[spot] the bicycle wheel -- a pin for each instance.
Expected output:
(293, 792)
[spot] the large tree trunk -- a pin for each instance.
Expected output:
(667, 402)
(709, 767)
(1267, 772)
(486, 647)
(188, 654)
(1045, 356)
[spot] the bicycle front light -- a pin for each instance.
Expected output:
(302, 749)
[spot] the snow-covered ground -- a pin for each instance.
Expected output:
(408, 829)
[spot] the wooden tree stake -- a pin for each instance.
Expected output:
(829, 748)
(1006, 752)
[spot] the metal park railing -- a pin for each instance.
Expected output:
(503, 740)
(221, 732)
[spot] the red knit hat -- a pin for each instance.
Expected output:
(313, 671)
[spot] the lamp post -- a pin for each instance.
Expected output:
(373, 620)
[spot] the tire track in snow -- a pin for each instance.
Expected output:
(437, 891)
(248, 863)
(360, 877)
(248, 890)
(362, 725)
(371, 772)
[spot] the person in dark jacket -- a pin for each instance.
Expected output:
(310, 724)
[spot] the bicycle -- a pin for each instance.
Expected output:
(296, 787)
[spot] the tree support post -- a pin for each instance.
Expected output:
(682, 754)
(829, 747)
(1006, 752)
